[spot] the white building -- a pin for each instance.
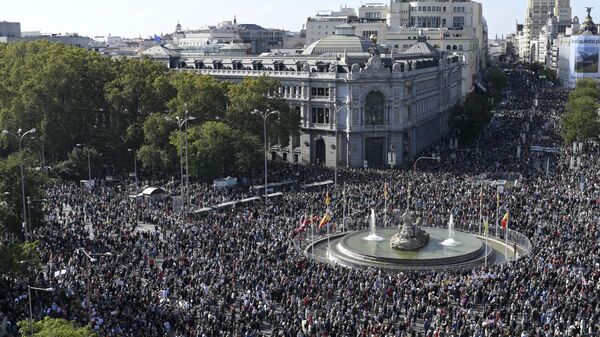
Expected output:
(579, 55)
(358, 105)
(453, 25)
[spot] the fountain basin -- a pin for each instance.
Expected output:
(353, 250)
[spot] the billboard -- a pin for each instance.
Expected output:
(585, 56)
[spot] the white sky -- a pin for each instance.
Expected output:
(132, 18)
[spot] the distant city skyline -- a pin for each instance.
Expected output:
(135, 18)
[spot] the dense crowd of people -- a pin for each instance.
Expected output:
(237, 271)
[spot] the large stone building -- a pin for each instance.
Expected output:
(454, 25)
(9, 30)
(545, 21)
(358, 102)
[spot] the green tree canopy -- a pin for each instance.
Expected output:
(17, 258)
(584, 92)
(11, 200)
(55, 327)
(216, 149)
(261, 94)
(586, 83)
(205, 97)
(581, 121)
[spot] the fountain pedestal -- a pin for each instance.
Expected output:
(410, 236)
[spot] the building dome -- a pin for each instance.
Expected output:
(344, 40)
(588, 24)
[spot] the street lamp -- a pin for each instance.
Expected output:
(92, 260)
(89, 162)
(29, 289)
(134, 166)
(20, 138)
(265, 115)
(424, 158)
(180, 123)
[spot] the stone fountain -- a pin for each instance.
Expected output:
(410, 236)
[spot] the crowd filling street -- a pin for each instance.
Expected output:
(131, 267)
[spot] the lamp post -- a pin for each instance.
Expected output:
(20, 138)
(180, 123)
(89, 162)
(424, 158)
(265, 115)
(29, 201)
(134, 166)
(92, 260)
(29, 289)
(337, 126)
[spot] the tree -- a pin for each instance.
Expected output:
(586, 83)
(205, 97)
(261, 94)
(55, 327)
(11, 213)
(17, 258)
(471, 117)
(216, 149)
(584, 92)
(157, 154)
(581, 121)
(497, 80)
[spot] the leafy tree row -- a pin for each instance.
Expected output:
(472, 115)
(73, 96)
(86, 104)
(581, 120)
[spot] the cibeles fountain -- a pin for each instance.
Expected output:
(408, 245)
(410, 236)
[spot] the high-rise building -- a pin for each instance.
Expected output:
(9, 30)
(543, 18)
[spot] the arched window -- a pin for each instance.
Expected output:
(454, 47)
(374, 108)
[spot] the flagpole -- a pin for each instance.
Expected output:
(385, 197)
(480, 207)
(506, 239)
(486, 243)
(312, 234)
(344, 210)
(497, 210)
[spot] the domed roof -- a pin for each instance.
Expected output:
(344, 40)
(588, 23)
(421, 49)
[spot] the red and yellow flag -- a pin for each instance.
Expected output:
(504, 221)
(326, 219)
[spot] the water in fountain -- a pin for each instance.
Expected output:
(450, 241)
(373, 236)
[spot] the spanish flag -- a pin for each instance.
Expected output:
(504, 221)
(327, 199)
(326, 219)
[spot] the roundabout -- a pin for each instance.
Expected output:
(353, 250)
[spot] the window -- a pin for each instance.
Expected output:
(320, 115)
(458, 21)
(374, 108)
(319, 92)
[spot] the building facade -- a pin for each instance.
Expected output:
(358, 105)
(457, 26)
(579, 55)
(9, 30)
